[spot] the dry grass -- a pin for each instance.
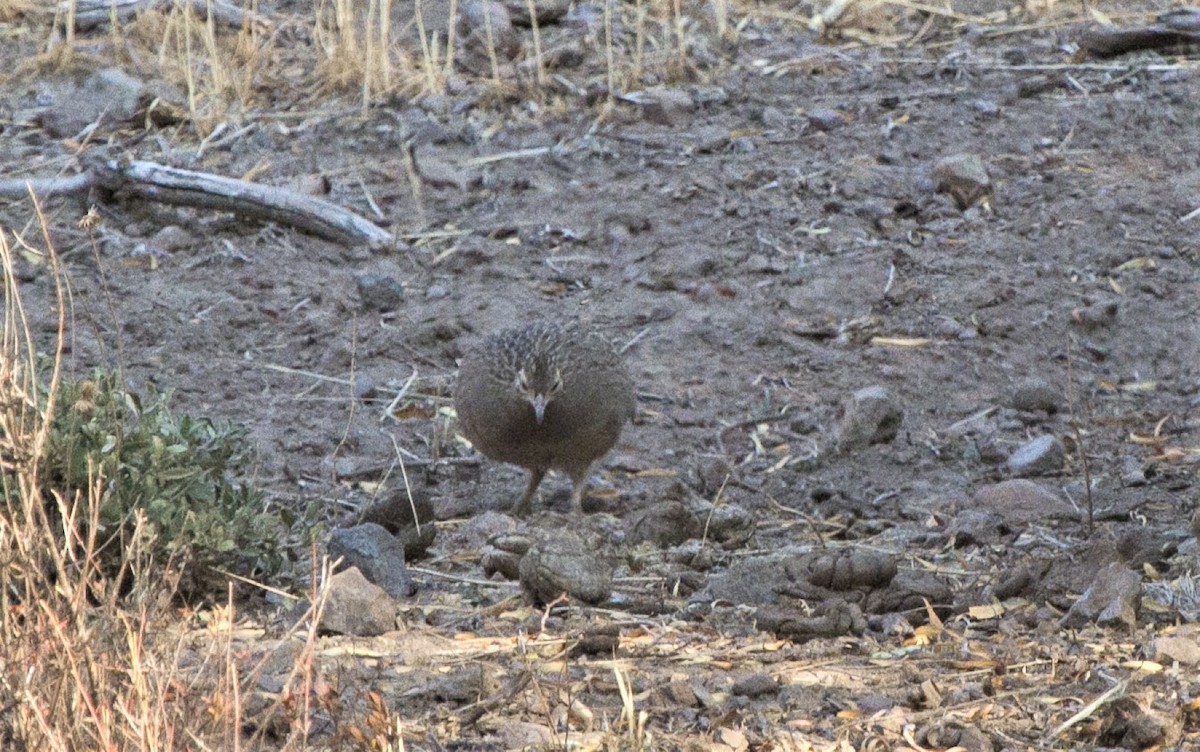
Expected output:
(93, 662)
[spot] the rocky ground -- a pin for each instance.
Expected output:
(900, 316)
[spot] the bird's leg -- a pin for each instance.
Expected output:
(523, 506)
(578, 486)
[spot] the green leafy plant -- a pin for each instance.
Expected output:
(177, 471)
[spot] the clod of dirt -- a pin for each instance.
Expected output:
(1128, 726)
(1021, 502)
(504, 552)
(964, 177)
(376, 553)
(1036, 394)
(599, 639)
(357, 607)
(871, 416)
(567, 564)
(1040, 456)
(1113, 599)
(410, 520)
(832, 619)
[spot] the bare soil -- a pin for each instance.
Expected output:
(761, 259)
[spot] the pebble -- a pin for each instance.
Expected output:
(964, 177)
(379, 291)
(1037, 394)
(1020, 502)
(1040, 456)
(870, 416)
(826, 119)
(1112, 599)
(357, 607)
(376, 554)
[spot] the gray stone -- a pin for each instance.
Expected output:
(869, 417)
(1021, 502)
(1040, 456)
(665, 106)
(376, 553)
(395, 512)
(964, 177)
(1038, 394)
(379, 291)
(357, 607)
(108, 96)
(1097, 315)
(1113, 599)
(826, 119)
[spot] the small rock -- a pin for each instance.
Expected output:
(1182, 646)
(826, 119)
(376, 554)
(1041, 456)
(666, 524)
(565, 563)
(665, 106)
(379, 291)
(972, 527)
(731, 525)
(986, 107)
(755, 685)
(964, 177)
(773, 117)
(436, 292)
(357, 607)
(169, 239)
(410, 520)
(364, 387)
(436, 170)
(1021, 502)
(1037, 394)
(474, 19)
(1097, 315)
(742, 145)
(108, 96)
(1113, 599)
(869, 417)
(547, 11)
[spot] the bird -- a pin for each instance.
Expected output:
(544, 396)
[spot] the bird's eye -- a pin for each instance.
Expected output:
(558, 381)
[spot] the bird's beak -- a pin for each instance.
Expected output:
(539, 407)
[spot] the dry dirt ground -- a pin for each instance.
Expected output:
(764, 246)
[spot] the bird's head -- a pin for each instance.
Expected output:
(539, 383)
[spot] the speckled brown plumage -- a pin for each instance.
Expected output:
(545, 397)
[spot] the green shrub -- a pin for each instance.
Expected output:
(179, 471)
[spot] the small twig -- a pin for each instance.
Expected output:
(636, 338)
(1112, 693)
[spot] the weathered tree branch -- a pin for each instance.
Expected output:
(171, 185)
(92, 13)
